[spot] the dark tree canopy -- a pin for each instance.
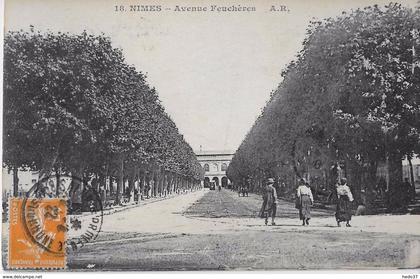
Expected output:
(351, 95)
(71, 102)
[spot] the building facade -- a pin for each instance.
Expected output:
(215, 164)
(27, 179)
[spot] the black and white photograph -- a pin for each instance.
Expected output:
(210, 136)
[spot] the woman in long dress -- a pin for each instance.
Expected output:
(305, 199)
(345, 197)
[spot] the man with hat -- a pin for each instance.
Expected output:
(269, 207)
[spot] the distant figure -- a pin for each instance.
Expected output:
(306, 200)
(245, 190)
(62, 193)
(345, 198)
(361, 208)
(148, 191)
(136, 195)
(92, 207)
(381, 188)
(269, 206)
(75, 195)
(248, 185)
(282, 189)
(220, 188)
(406, 192)
(102, 193)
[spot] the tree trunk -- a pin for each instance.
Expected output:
(57, 182)
(370, 185)
(168, 183)
(413, 185)
(395, 171)
(101, 182)
(15, 182)
(293, 155)
(111, 185)
(160, 183)
(155, 184)
(171, 183)
(176, 188)
(48, 164)
(120, 181)
(76, 189)
(104, 177)
(395, 181)
(354, 172)
(141, 183)
(131, 181)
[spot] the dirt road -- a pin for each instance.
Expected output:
(208, 230)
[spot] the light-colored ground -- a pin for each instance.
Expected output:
(167, 217)
(215, 230)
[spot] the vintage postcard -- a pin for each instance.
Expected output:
(211, 135)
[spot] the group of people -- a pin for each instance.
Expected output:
(305, 200)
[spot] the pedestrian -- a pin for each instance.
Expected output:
(148, 191)
(102, 192)
(75, 197)
(269, 206)
(406, 192)
(363, 203)
(247, 186)
(306, 200)
(345, 197)
(381, 188)
(136, 195)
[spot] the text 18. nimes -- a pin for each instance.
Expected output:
(208, 8)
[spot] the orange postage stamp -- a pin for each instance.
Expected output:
(37, 233)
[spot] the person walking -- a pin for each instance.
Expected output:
(345, 197)
(269, 206)
(406, 192)
(306, 200)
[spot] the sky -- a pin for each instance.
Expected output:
(214, 71)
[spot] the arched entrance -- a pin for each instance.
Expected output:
(224, 181)
(206, 182)
(216, 181)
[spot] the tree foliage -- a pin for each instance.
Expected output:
(351, 95)
(71, 102)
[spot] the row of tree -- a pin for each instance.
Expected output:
(350, 98)
(73, 105)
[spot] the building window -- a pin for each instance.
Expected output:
(206, 167)
(224, 167)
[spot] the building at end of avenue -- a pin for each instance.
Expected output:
(215, 164)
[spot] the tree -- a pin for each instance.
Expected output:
(72, 104)
(350, 96)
